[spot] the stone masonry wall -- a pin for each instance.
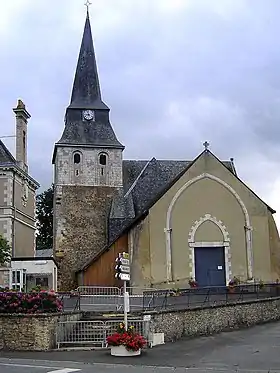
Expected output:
(89, 167)
(80, 228)
(31, 332)
(214, 319)
(4, 277)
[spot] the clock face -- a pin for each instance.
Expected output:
(88, 114)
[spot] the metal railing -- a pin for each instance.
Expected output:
(107, 299)
(98, 298)
(91, 333)
(99, 290)
(197, 297)
(70, 301)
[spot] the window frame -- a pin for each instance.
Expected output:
(80, 158)
(103, 156)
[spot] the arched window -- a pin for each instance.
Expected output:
(103, 159)
(77, 158)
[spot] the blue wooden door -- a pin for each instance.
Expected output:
(210, 266)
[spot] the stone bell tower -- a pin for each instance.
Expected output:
(87, 169)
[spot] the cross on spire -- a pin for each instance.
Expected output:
(87, 4)
(206, 145)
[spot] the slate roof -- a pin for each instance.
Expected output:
(44, 253)
(87, 133)
(6, 158)
(86, 89)
(86, 94)
(143, 182)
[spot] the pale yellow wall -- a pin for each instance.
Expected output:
(20, 234)
(24, 240)
(25, 220)
(139, 250)
(210, 230)
(27, 209)
(209, 197)
(274, 247)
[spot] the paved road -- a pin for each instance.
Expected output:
(255, 350)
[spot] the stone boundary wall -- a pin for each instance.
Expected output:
(20, 332)
(214, 319)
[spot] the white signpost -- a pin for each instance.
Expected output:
(123, 273)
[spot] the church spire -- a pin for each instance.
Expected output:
(87, 121)
(86, 93)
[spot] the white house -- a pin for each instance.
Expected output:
(28, 272)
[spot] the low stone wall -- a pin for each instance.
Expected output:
(31, 332)
(214, 319)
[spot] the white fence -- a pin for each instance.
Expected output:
(91, 333)
(98, 298)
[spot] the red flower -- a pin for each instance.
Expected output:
(131, 340)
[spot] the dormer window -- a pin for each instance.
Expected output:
(77, 158)
(103, 159)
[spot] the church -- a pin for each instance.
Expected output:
(179, 220)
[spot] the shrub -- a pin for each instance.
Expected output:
(29, 303)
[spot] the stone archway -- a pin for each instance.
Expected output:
(168, 229)
(225, 244)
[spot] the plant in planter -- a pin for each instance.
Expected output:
(126, 342)
(233, 283)
(175, 292)
(261, 284)
(193, 283)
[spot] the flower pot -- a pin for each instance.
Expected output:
(122, 351)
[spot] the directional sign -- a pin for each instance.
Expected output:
(123, 276)
(123, 273)
(123, 267)
(123, 261)
(120, 268)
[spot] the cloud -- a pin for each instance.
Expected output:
(174, 72)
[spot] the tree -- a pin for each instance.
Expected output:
(44, 217)
(5, 251)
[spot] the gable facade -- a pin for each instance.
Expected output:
(208, 207)
(208, 217)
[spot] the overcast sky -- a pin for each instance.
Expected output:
(174, 73)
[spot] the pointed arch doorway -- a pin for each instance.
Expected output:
(210, 265)
(210, 262)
